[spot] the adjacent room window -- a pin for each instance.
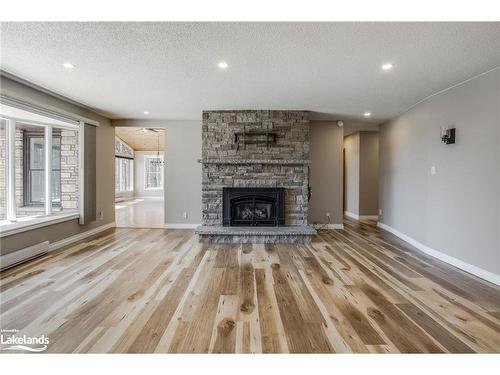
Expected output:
(38, 165)
(124, 167)
(124, 174)
(153, 172)
(34, 151)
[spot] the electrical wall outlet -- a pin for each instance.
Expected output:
(379, 212)
(101, 215)
(327, 214)
(185, 215)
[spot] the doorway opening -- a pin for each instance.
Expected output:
(139, 177)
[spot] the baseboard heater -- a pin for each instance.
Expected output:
(20, 256)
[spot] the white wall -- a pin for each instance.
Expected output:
(182, 177)
(456, 211)
(139, 179)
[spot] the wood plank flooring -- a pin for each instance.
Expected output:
(159, 291)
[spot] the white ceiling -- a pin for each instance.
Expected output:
(171, 69)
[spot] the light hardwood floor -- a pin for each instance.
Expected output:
(144, 212)
(153, 290)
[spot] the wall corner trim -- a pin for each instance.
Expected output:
(474, 270)
(180, 226)
(80, 236)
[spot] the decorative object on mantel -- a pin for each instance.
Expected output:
(255, 137)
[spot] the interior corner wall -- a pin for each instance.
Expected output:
(456, 211)
(183, 173)
(368, 173)
(105, 170)
(325, 172)
(351, 173)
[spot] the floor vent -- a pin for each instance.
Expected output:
(19, 256)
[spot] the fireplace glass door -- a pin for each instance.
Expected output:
(253, 211)
(253, 206)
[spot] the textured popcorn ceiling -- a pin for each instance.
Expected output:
(171, 69)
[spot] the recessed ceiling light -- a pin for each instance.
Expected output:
(222, 65)
(367, 114)
(387, 66)
(68, 65)
(146, 112)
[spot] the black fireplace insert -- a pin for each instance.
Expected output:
(253, 207)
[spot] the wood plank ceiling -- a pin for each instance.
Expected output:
(141, 140)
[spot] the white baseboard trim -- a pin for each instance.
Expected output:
(80, 236)
(368, 217)
(180, 226)
(479, 272)
(360, 217)
(335, 226)
(351, 215)
(328, 226)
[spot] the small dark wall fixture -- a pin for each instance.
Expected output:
(448, 135)
(253, 207)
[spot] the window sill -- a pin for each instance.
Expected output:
(27, 224)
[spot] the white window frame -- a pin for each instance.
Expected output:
(129, 188)
(25, 116)
(146, 161)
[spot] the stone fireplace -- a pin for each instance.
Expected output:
(255, 167)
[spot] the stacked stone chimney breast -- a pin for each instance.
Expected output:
(283, 163)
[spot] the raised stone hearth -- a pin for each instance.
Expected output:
(255, 149)
(284, 234)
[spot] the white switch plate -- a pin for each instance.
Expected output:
(380, 212)
(185, 215)
(433, 170)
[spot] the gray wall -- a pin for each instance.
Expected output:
(104, 174)
(182, 169)
(351, 173)
(361, 173)
(325, 173)
(457, 210)
(368, 173)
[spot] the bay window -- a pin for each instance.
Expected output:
(124, 167)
